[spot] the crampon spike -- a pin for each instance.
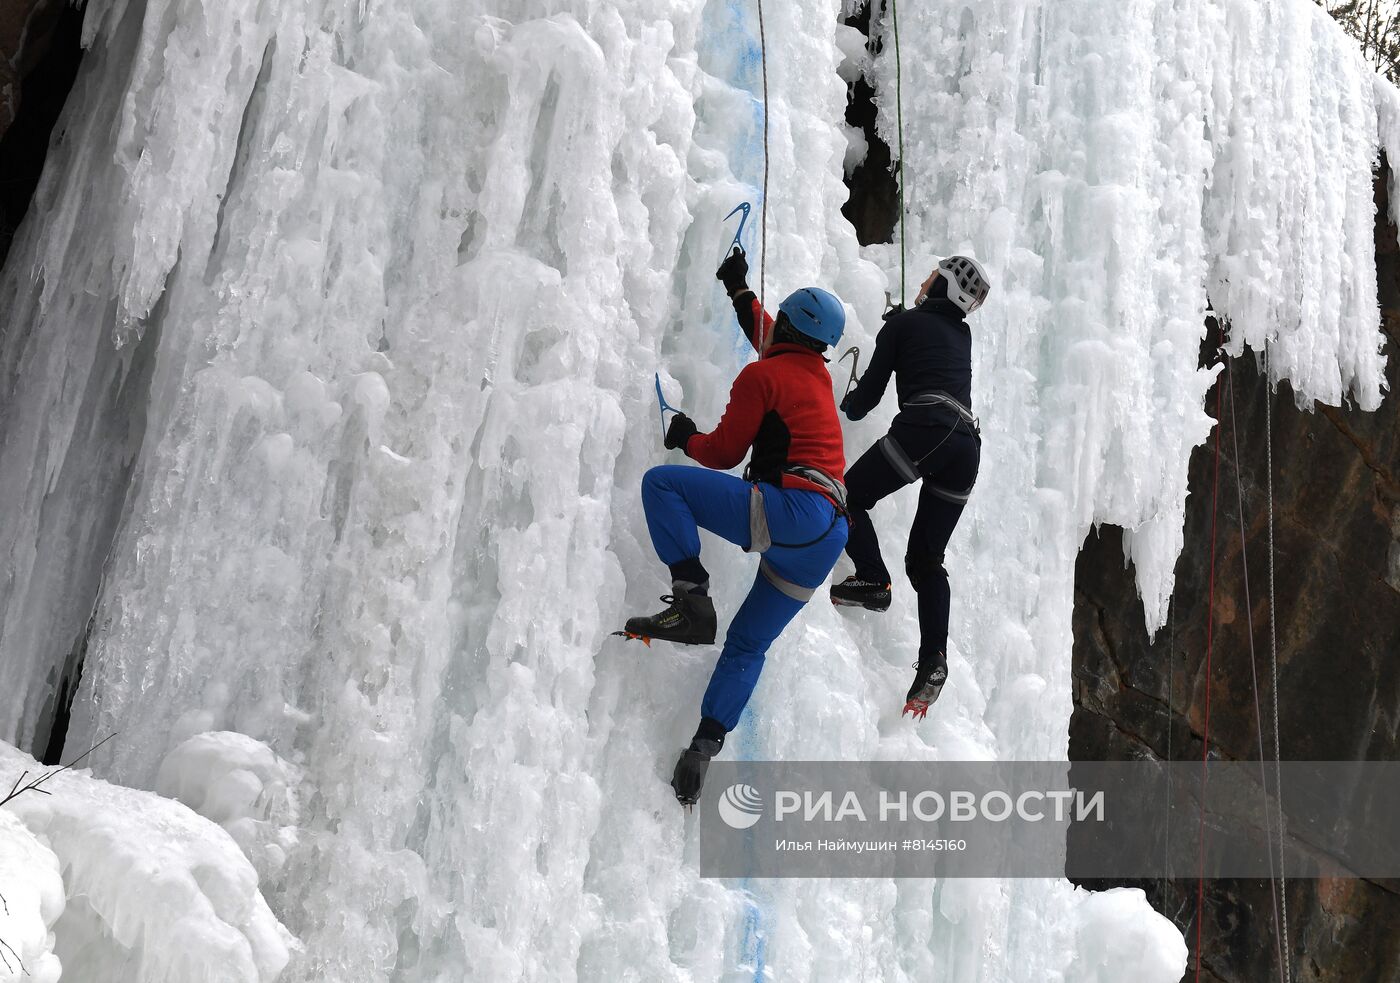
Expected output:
(635, 637)
(919, 708)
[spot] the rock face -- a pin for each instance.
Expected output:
(1337, 562)
(39, 54)
(25, 26)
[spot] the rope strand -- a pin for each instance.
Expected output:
(899, 117)
(1171, 688)
(1253, 666)
(763, 215)
(1273, 657)
(1210, 637)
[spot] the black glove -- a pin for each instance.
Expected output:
(734, 272)
(848, 406)
(680, 431)
(891, 311)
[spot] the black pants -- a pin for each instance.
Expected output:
(946, 458)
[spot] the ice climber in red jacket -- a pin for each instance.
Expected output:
(790, 505)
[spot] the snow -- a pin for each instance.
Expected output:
(32, 889)
(1117, 928)
(243, 786)
(153, 892)
(329, 390)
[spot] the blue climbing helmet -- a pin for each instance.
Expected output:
(816, 313)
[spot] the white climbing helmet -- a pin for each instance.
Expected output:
(967, 282)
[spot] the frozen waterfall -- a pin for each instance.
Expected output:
(326, 388)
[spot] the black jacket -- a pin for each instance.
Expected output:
(928, 349)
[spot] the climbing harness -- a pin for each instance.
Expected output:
(665, 406)
(834, 489)
(855, 367)
(942, 399)
(761, 540)
(958, 417)
(795, 591)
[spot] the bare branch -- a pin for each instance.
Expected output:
(15, 954)
(70, 764)
(34, 785)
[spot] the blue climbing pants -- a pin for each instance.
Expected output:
(807, 536)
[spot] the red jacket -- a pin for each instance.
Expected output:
(782, 406)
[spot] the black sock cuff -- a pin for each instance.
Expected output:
(692, 572)
(710, 729)
(935, 657)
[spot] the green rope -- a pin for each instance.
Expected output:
(899, 116)
(763, 215)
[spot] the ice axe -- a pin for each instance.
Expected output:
(743, 207)
(855, 367)
(665, 407)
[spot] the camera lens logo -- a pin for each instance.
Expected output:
(740, 806)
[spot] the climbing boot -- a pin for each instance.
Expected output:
(854, 592)
(689, 776)
(928, 686)
(690, 620)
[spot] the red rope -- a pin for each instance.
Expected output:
(1210, 624)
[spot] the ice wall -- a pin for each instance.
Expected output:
(1127, 168)
(326, 392)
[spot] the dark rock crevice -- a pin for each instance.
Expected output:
(40, 49)
(116, 406)
(873, 207)
(106, 387)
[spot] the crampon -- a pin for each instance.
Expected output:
(928, 686)
(644, 639)
(919, 708)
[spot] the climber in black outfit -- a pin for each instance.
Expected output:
(934, 439)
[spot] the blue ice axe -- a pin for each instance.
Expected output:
(742, 210)
(665, 406)
(744, 207)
